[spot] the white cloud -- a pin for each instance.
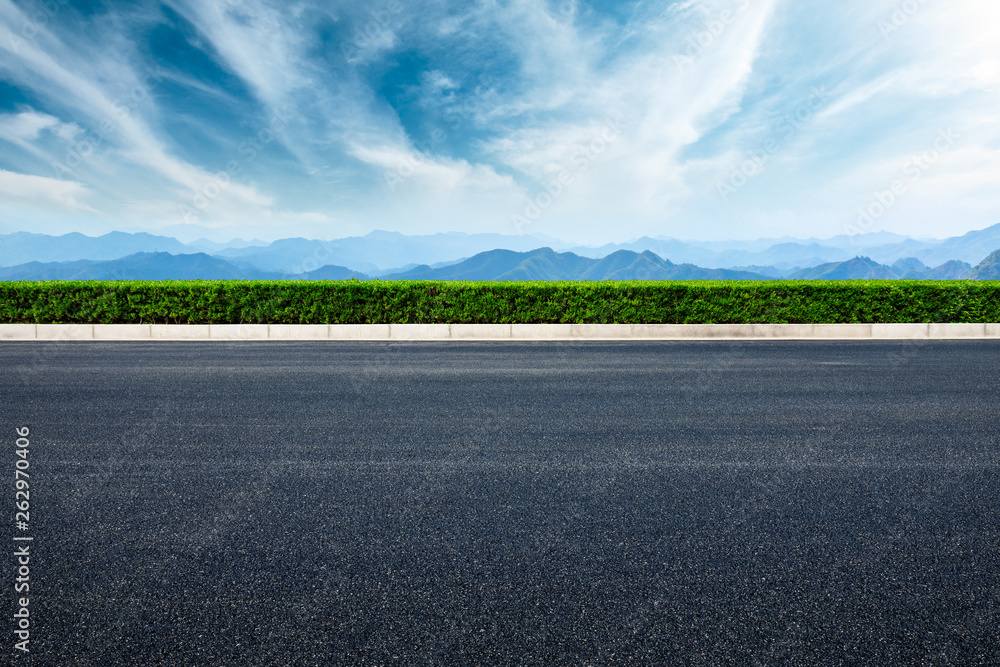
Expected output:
(41, 192)
(440, 81)
(26, 129)
(405, 169)
(26, 125)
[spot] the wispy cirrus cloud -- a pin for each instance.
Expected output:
(457, 115)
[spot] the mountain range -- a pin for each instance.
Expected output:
(865, 268)
(547, 264)
(538, 264)
(381, 253)
(161, 266)
(453, 256)
(374, 254)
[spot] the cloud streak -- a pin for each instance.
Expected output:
(459, 116)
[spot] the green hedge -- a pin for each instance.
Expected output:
(356, 302)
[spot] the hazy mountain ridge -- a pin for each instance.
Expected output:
(161, 266)
(859, 268)
(372, 254)
(865, 268)
(493, 265)
(546, 264)
(378, 252)
(24, 247)
(787, 253)
(988, 269)
(383, 254)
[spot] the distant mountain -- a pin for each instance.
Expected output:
(542, 264)
(546, 264)
(951, 270)
(24, 247)
(769, 271)
(968, 248)
(909, 266)
(784, 256)
(859, 268)
(212, 247)
(971, 247)
(377, 253)
(539, 264)
(864, 268)
(988, 269)
(781, 254)
(893, 252)
(329, 272)
(787, 253)
(679, 251)
(158, 266)
(707, 252)
(381, 253)
(288, 256)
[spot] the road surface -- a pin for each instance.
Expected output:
(509, 503)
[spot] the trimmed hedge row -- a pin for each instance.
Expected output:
(370, 302)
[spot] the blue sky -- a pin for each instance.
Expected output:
(586, 121)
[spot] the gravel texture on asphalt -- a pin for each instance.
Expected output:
(509, 503)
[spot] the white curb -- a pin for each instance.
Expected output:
(487, 332)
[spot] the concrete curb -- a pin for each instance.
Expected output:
(488, 332)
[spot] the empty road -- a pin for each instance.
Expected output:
(698, 503)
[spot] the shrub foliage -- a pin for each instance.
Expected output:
(374, 302)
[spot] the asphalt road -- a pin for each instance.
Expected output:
(506, 503)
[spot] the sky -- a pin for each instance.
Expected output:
(590, 122)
